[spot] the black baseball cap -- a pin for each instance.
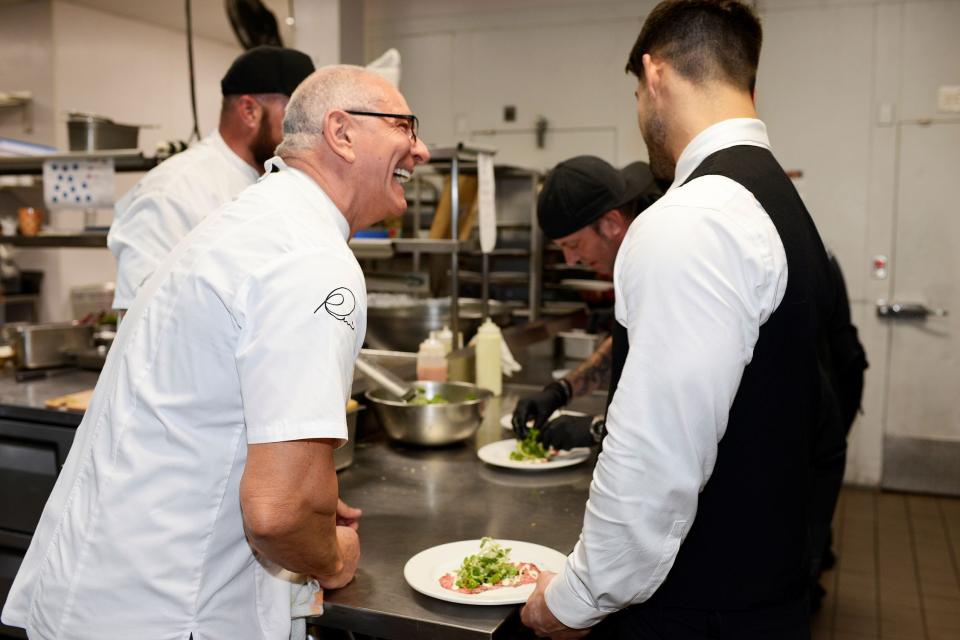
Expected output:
(266, 69)
(580, 190)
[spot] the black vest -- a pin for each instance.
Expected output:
(746, 548)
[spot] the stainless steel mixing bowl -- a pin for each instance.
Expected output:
(432, 424)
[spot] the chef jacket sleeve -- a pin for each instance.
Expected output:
(692, 287)
(302, 322)
(142, 235)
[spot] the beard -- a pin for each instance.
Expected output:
(662, 164)
(263, 145)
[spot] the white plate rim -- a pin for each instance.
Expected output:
(492, 454)
(440, 559)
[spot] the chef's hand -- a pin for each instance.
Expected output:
(539, 407)
(568, 432)
(537, 615)
(349, 544)
(348, 516)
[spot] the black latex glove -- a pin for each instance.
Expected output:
(568, 432)
(538, 407)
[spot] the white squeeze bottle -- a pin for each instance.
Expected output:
(488, 357)
(431, 361)
(445, 336)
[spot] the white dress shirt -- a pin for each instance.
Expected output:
(697, 274)
(246, 334)
(166, 204)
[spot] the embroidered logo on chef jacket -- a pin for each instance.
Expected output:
(340, 304)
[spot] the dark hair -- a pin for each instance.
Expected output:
(703, 40)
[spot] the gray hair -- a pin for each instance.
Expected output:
(332, 87)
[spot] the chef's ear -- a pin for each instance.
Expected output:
(338, 132)
(250, 110)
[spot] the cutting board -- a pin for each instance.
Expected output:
(72, 401)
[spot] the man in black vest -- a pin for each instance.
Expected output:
(722, 290)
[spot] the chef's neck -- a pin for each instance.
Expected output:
(239, 144)
(333, 184)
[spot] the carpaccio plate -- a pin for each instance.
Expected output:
(424, 571)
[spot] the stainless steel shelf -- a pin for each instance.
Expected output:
(383, 248)
(132, 160)
(80, 241)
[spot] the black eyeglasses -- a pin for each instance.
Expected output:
(410, 120)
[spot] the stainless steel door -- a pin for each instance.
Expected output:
(922, 412)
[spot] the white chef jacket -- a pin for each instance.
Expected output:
(246, 334)
(166, 204)
(697, 274)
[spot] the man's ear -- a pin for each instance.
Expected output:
(652, 75)
(613, 224)
(338, 133)
(250, 111)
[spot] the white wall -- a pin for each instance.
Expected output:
(826, 68)
(121, 68)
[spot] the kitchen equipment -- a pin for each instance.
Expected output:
(396, 387)
(402, 325)
(45, 345)
(93, 300)
(432, 424)
(89, 132)
(343, 457)
(577, 344)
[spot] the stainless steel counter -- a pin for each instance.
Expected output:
(25, 400)
(416, 498)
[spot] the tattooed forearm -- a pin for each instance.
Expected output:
(594, 372)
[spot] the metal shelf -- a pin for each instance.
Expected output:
(132, 160)
(80, 240)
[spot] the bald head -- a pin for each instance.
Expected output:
(332, 87)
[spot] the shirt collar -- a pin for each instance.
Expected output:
(309, 189)
(220, 145)
(724, 134)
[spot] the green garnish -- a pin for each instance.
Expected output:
(529, 448)
(490, 567)
(421, 398)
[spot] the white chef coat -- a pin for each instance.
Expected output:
(246, 334)
(697, 274)
(166, 204)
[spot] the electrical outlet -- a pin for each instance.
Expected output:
(948, 99)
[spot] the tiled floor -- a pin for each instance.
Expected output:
(898, 570)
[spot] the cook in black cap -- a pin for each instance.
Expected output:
(176, 195)
(586, 207)
(256, 89)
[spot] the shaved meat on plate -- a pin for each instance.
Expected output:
(527, 574)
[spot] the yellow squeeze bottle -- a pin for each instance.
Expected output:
(489, 375)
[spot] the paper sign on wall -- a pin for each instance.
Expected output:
(78, 183)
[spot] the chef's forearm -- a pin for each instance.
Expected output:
(594, 372)
(304, 545)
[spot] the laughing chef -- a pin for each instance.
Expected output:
(205, 460)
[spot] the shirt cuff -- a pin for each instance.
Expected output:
(564, 599)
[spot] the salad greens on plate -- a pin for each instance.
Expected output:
(489, 567)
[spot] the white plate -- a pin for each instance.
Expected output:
(424, 570)
(506, 420)
(498, 454)
(587, 285)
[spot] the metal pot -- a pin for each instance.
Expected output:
(402, 327)
(343, 457)
(88, 132)
(432, 424)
